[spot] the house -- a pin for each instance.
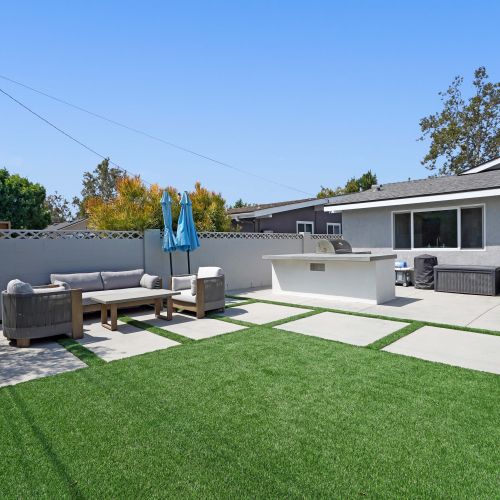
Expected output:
(4, 224)
(74, 225)
(294, 216)
(456, 218)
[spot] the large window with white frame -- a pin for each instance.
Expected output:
(334, 228)
(304, 226)
(446, 228)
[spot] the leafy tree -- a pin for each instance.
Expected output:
(137, 207)
(353, 185)
(101, 183)
(209, 210)
(59, 208)
(367, 180)
(464, 133)
(241, 204)
(22, 202)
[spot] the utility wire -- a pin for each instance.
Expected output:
(155, 138)
(69, 136)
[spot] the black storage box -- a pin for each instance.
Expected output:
(475, 280)
(424, 271)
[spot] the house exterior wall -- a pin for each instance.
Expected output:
(371, 229)
(286, 222)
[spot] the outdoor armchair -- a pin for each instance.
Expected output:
(47, 311)
(201, 292)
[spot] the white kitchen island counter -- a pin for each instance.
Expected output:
(354, 276)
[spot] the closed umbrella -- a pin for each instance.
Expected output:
(169, 243)
(187, 239)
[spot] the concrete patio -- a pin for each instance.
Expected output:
(475, 311)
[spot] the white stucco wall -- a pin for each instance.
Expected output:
(372, 229)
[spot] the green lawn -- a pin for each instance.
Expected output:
(255, 413)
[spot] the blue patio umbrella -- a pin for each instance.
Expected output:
(168, 243)
(187, 239)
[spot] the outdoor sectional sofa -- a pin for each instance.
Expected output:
(100, 283)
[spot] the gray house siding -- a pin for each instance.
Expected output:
(371, 229)
(286, 222)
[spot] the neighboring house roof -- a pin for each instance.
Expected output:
(266, 209)
(60, 226)
(481, 184)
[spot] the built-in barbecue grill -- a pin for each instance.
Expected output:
(337, 246)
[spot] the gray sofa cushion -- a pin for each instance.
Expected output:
(182, 283)
(210, 272)
(52, 289)
(88, 282)
(62, 283)
(185, 296)
(113, 280)
(149, 281)
(18, 286)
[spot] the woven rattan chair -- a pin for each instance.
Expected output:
(42, 314)
(210, 292)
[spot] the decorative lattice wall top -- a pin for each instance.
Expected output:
(32, 234)
(326, 236)
(250, 236)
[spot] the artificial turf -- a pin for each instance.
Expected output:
(256, 413)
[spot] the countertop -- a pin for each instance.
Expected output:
(327, 257)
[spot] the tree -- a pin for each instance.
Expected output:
(59, 208)
(353, 185)
(22, 202)
(137, 207)
(101, 183)
(241, 204)
(464, 133)
(209, 210)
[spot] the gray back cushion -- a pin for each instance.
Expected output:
(88, 282)
(113, 280)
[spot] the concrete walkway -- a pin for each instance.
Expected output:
(41, 359)
(425, 305)
(452, 347)
(188, 326)
(125, 342)
(259, 313)
(353, 330)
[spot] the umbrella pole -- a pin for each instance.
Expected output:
(171, 268)
(189, 263)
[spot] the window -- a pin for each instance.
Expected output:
(305, 227)
(333, 228)
(402, 231)
(454, 228)
(472, 227)
(436, 229)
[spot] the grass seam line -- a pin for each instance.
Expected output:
(81, 352)
(394, 336)
(156, 330)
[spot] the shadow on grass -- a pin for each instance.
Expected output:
(57, 463)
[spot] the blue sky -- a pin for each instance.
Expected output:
(305, 93)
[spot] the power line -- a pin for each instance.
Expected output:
(155, 138)
(69, 136)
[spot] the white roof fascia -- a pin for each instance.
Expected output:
(283, 208)
(485, 193)
(483, 167)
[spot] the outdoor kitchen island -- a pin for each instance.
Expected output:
(353, 276)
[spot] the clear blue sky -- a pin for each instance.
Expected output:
(306, 93)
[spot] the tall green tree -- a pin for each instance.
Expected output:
(22, 202)
(100, 183)
(59, 208)
(465, 133)
(353, 185)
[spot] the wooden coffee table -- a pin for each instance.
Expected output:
(132, 298)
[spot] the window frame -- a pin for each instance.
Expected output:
(333, 224)
(304, 222)
(458, 209)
